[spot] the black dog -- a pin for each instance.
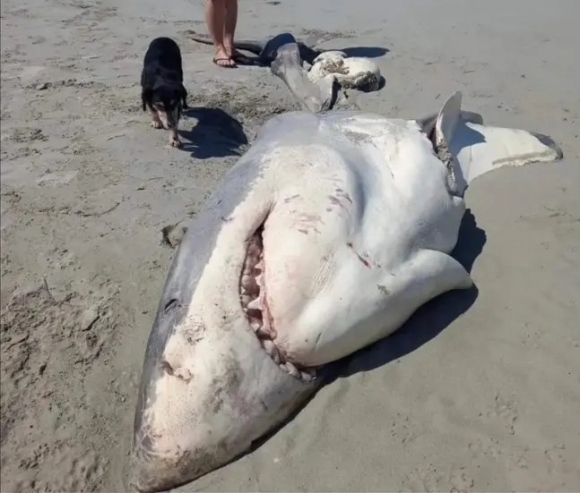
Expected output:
(162, 89)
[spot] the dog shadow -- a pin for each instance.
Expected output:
(216, 134)
(427, 322)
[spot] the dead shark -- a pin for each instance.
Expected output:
(325, 236)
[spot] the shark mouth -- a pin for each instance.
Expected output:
(255, 305)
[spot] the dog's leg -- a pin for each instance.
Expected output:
(184, 96)
(155, 120)
(145, 95)
(174, 138)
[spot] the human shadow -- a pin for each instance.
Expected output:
(427, 322)
(365, 51)
(216, 134)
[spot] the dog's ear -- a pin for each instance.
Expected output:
(146, 98)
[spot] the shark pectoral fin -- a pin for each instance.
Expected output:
(421, 278)
(436, 272)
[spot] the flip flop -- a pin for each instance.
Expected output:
(216, 60)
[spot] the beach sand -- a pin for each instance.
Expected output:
(480, 391)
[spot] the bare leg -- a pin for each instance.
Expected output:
(215, 18)
(229, 31)
(231, 19)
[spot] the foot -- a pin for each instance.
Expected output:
(235, 55)
(174, 139)
(223, 59)
(240, 58)
(155, 120)
(174, 142)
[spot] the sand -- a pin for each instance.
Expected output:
(480, 391)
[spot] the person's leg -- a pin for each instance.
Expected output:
(229, 31)
(230, 21)
(215, 18)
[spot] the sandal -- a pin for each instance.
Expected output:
(217, 60)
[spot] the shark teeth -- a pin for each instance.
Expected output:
(254, 305)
